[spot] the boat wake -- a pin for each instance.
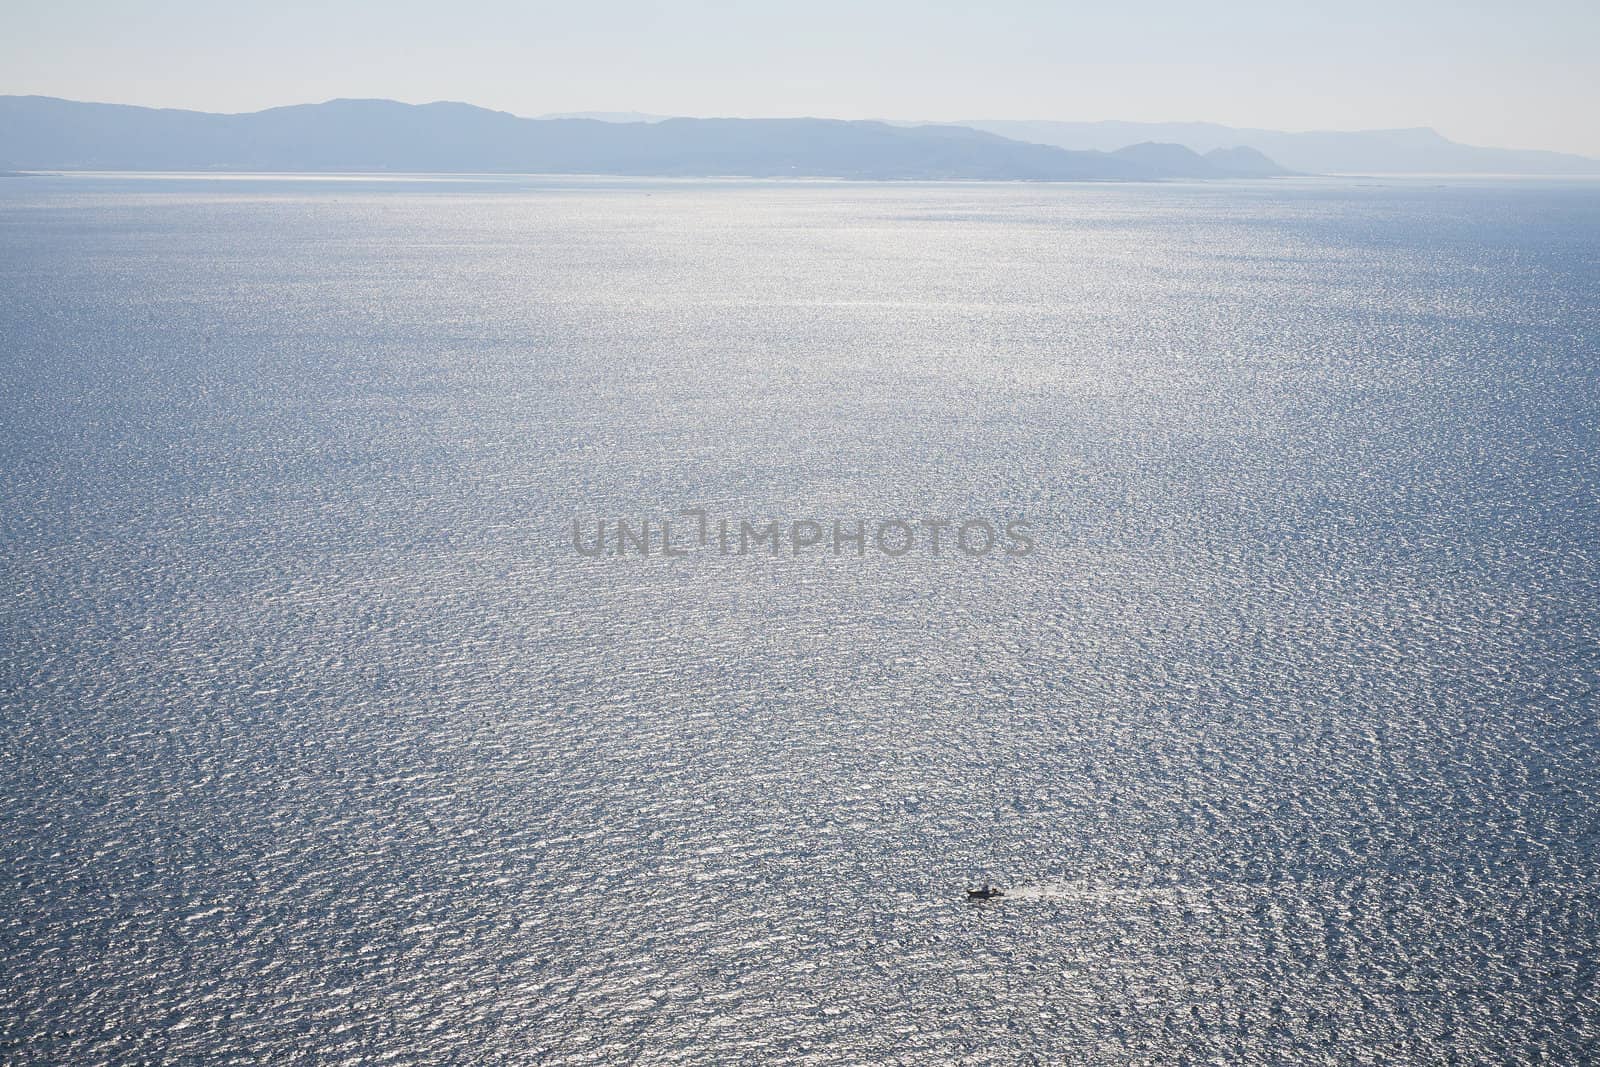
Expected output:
(1100, 893)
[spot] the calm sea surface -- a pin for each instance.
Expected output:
(318, 739)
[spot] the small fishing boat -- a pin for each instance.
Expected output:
(988, 892)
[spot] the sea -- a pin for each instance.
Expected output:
(323, 739)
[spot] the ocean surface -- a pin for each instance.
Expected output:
(320, 742)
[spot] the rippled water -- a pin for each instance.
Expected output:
(319, 739)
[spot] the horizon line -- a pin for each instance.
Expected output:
(653, 117)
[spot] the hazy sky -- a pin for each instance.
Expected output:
(1513, 74)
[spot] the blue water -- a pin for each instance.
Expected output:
(319, 739)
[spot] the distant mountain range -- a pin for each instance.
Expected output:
(1179, 161)
(44, 133)
(1409, 151)
(1418, 150)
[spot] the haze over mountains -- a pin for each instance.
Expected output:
(1407, 151)
(45, 133)
(1418, 150)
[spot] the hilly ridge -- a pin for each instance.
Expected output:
(1401, 151)
(45, 133)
